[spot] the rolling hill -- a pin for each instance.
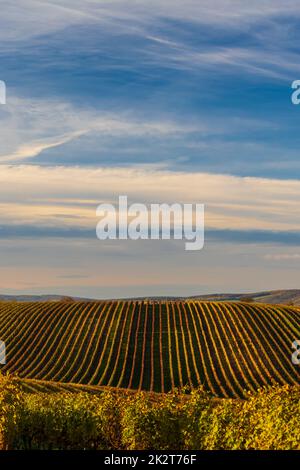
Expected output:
(283, 296)
(152, 345)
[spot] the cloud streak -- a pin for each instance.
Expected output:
(31, 126)
(268, 51)
(51, 196)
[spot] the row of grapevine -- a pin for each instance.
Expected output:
(149, 345)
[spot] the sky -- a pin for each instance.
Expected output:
(164, 101)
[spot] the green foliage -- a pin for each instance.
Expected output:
(11, 402)
(268, 419)
(56, 421)
(274, 419)
(110, 410)
(195, 418)
(69, 421)
(149, 424)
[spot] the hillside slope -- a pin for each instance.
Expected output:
(285, 297)
(227, 347)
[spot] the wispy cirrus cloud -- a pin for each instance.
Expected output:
(59, 132)
(231, 12)
(127, 53)
(264, 42)
(32, 126)
(35, 148)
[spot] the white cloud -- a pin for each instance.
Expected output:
(30, 126)
(28, 20)
(283, 257)
(68, 196)
(232, 12)
(33, 149)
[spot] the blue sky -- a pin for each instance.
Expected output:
(132, 93)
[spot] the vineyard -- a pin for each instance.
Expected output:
(154, 346)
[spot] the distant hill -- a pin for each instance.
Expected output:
(285, 297)
(37, 298)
